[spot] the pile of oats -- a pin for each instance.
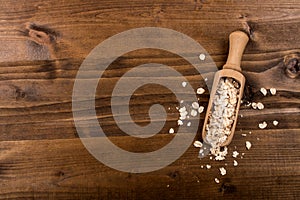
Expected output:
(222, 116)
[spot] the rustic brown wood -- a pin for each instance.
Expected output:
(42, 46)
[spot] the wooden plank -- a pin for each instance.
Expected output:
(64, 169)
(42, 47)
(42, 107)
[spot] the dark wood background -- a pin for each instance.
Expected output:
(43, 43)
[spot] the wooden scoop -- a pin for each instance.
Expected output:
(232, 69)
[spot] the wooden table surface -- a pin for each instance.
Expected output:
(42, 45)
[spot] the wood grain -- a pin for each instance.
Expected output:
(43, 44)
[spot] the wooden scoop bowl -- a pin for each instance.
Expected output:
(232, 69)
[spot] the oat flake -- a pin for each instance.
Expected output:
(195, 105)
(223, 171)
(197, 144)
(260, 106)
(263, 91)
(171, 130)
(262, 125)
(201, 109)
(235, 163)
(179, 122)
(200, 91)
(275, 123)
(202, 56)
(194, 113)
(235, 154)
(273, 91)
(248, 145)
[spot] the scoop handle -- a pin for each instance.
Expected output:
(237, 43)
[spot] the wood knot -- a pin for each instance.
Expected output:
(248, 27)
(20, 94)
(227, 188)
(40, 34)
(292, 65)
(61, 173)
(24, 94)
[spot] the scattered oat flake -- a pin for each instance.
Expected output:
(260, 106)
(219, 158)
(206, 79)
(217, 180)
(202, 56)
(200, 109)
(263, 91)
(189, 124)
(235, 163)
(244, 134)
(248, 145)
(179, 122)
(223, 171)
(171, 130)
(195, 105)
(202, 166)
(254, 105)
(200, 91)
(262, 125)
(184, 84)
(235, 154)
(183, 113)
(208, 166)
(168, 186)
(181, 101)
(182, 117)
(197, 144)
(273, 91)
(275, 123)
(194, 113)
(182, 109)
